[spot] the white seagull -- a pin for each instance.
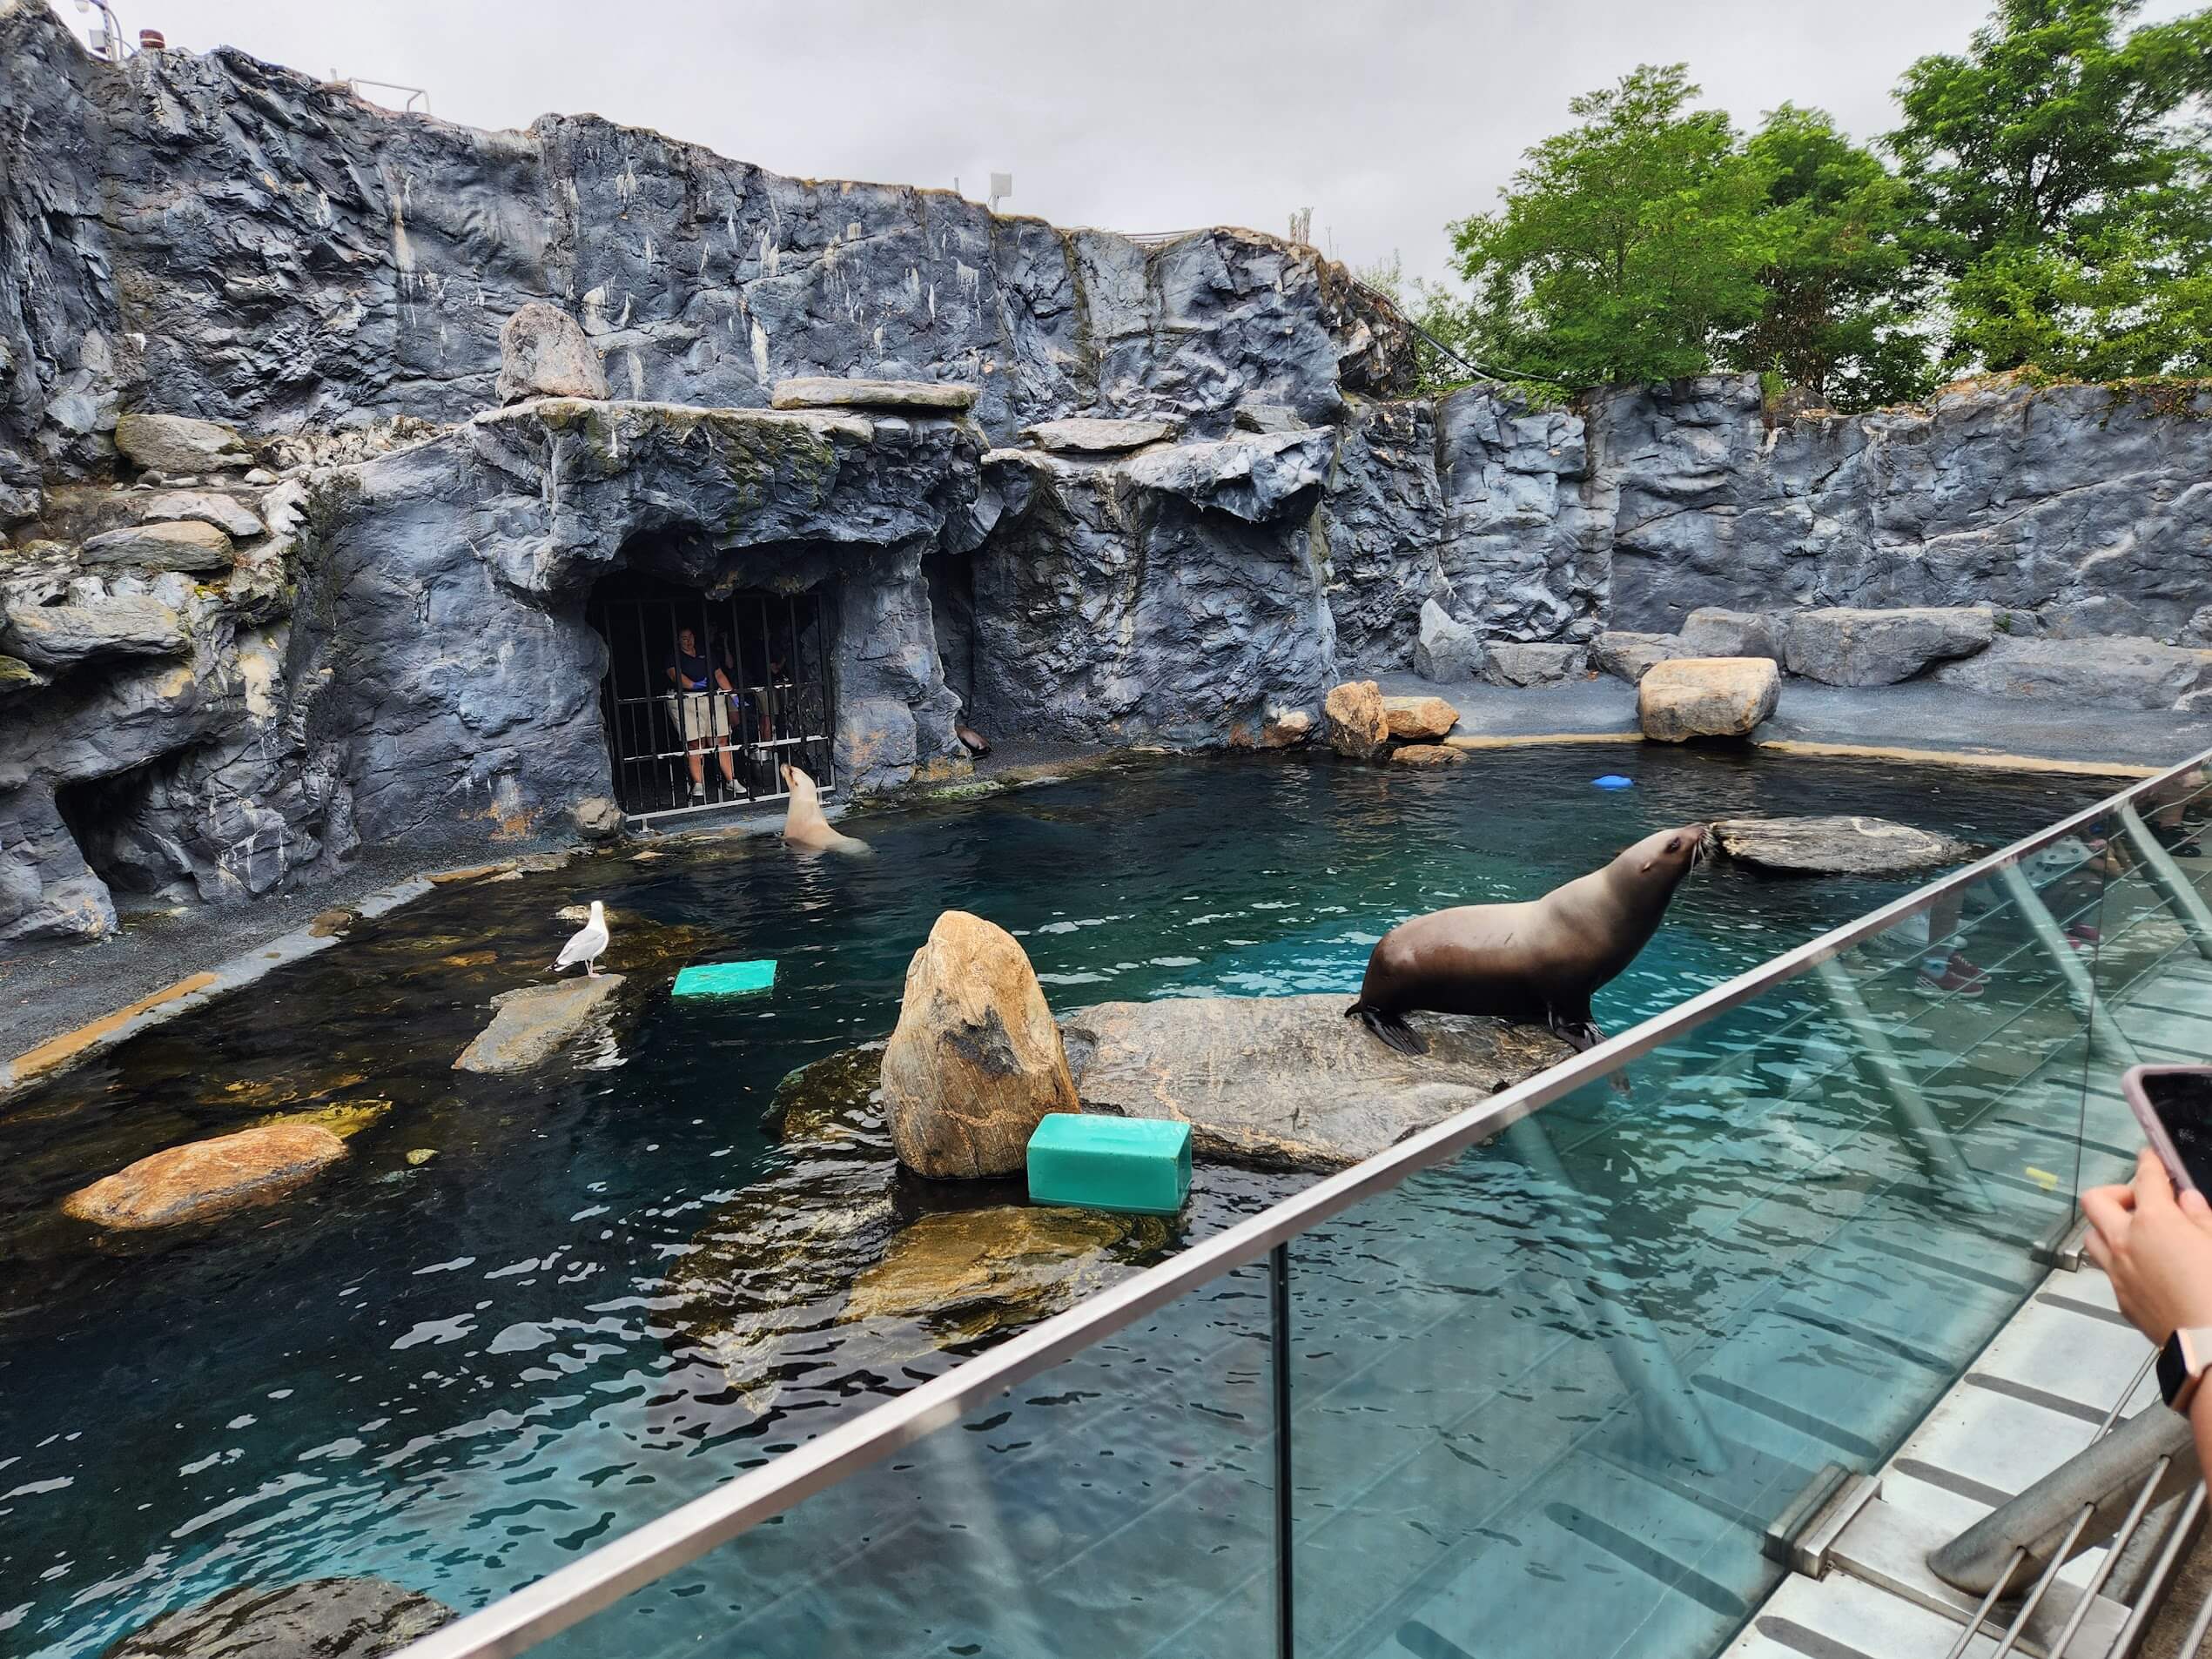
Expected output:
(590, 940)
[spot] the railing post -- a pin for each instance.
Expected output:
(2187, 904)
(2104, 1036)
(1279, 1343)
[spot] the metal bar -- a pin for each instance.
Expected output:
(645, 666)
(2034, 1599)
(2187, 904)
(2147, 1603)
(1279, 1340)
(2090, 1591)
(574, 1592)
(2198, 1627)
(1981, 1613)
(1921, 1126)
(1631, 1339)
(2082, 989)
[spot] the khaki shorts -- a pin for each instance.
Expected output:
(700, 714)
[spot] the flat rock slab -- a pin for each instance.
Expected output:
(1836, 846)
(533, 1024)
(322, 1618)
(825, 392)
(226, 514)
(2116, 673)
(1288, 1082)
(206, 1179)
(179, 444)
(1084, 435)
(182, 544)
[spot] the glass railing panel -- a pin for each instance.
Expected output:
(1548, 1398)
(1121, 1503)
(2149, 949)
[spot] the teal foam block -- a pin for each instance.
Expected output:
(725, 978)
(1137, 1166)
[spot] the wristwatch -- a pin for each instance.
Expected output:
(2182, 1363)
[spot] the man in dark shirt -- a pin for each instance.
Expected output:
(700, 706)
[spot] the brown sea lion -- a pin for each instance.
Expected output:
(804, 824)
(1537, 960)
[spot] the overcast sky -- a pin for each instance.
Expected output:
(1387, 118)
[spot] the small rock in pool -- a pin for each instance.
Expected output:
(418, 1156)
(325, 923)
(1836, 846)
(206, 1179)
(1427, 755)
(321, 1618)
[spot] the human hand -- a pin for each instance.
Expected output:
(2156, 1249)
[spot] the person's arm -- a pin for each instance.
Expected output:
(2156, 1248)
(675, 679)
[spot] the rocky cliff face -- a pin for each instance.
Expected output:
(1133, 494)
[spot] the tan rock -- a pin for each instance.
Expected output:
(1714, 697)
(207, 1177)
(1354, 717)
(1419, 720)
(976, 1060)
(980, 1270)
(176, 445)
(543, 353)
(327, 923)
(1427, 755)
(180, 544)
(534, 1023)
(826, 392)
(1086, 435)
(1285, 728)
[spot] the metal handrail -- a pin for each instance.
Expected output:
(573, 1593)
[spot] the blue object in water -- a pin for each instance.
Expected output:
(1615, 780)
(1135, 1166)
(725, 978)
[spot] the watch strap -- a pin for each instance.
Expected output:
(2182, 1365)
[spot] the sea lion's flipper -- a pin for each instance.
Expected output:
(1391, 1028)
(1579, 1034)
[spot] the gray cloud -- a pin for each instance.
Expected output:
(1143, 115)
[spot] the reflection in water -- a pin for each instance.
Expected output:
(618, 1282)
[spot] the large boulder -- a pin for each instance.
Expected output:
(1712, 696)
(1287, 1081)
(93, 625)
(182, 544)
(226, 513)
(826, 392)
(1712, 631)
(533, 1024)
(543, 353)
(179, 444)
(1087, 435)
(1836, 846)
(1352, 715)
(1534, 663)
(1844, 646)
(2091, 673)
(1630, 656)
(320, 1618)
(1419, 720)
(1447, 652)
(206, 1179)
(975, 1059)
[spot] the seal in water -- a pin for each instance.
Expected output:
(1537, 960)
(804, 824)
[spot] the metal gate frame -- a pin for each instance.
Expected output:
(764, 721)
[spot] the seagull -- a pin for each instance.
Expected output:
(590, 940)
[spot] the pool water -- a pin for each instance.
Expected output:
(615, 1284)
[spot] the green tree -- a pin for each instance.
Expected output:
(1626, 247)
(2063, 182)
(1834, 320)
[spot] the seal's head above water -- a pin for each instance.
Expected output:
(1540, 959)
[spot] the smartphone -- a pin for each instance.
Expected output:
(2173, 1104)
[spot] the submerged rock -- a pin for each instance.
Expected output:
(1427, 755)
(543, 353)
(1844, 646)
(1843, 846)
(534, 1023)
(207, 1177)
(1713, 696)
(1419, 720)
(975, 1060)
(1352, 715)
(964, 1273)
(320, 1618)
(1287, 1081)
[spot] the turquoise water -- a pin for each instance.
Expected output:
(615, 1285)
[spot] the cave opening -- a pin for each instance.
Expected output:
(952, 578)
(108, 818)
(709, 690)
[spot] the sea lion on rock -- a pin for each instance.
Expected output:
(1536, 960)
(804, 824)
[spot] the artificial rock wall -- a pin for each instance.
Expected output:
(387, 641)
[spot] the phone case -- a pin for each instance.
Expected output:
(2131, 1086)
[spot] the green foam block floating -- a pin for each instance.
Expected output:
(1136, 1166)
(725, 978)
